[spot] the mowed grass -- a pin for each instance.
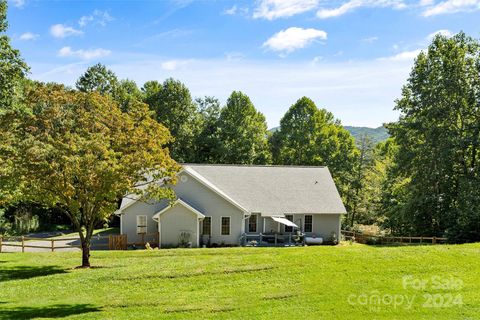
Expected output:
(244, 283)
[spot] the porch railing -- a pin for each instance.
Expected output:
(272, 239)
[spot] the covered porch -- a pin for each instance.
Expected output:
(272, 230)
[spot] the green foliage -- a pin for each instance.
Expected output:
(78, 152)
(436, 178)
(242, 133)
(207, 142)
(311, 136)
(12, 67)
(174, 108)
(99, 79)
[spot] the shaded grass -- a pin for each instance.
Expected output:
(238, 283)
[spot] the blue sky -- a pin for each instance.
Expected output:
(350, 56)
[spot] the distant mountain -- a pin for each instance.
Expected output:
(376, 134)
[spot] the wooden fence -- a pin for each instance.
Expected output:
(111, 242)
(377, 239)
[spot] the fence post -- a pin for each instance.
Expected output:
(434, 240)
(23, 244)
(1, 238)
(421, 239)
(52, 244)
(275, 239)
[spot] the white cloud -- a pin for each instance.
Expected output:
(273, 86)
(293, 38)
(273, 9)
(83, 54)
(452, 6)
(97, 17)
(63, 31)
(230, 11)
(424, 3)
(443, 32)
(354, 4)
(27, 36)
(171, 65)
(18, 3)
(369, 39)
(403, 56)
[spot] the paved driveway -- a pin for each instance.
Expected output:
(98, 243)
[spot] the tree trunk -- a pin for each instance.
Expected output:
(85, 256)
(85, 253)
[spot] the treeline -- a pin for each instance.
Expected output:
(205, 131)
(424, 180)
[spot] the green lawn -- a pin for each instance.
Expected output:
(245, 283)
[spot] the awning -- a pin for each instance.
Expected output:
(285, 222)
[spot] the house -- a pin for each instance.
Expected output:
(236, 204)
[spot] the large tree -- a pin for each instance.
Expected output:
(79, 152)
(12, 67)
(98, 78)
(206, 141)
(242, 133)
(175, 109)
(438, 137)
(311, 136)
(12, 75)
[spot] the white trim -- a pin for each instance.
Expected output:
(198, 232)
(121, 224)
(142, 226)
(157, 215)
(229, 225)
(263, 224)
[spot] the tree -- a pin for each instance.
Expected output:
(99, 79)
(363, 164)
(438, 137)
(242, 133)
(12, 67)
(174, 108)
(79, 153)
(206, 141)
(127, 93)
(311, 136)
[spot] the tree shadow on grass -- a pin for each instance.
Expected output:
(28, 272)
(54, 311)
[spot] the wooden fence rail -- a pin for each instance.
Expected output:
(114, 242)
(364, 238)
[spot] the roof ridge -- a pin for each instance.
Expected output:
(251, 165)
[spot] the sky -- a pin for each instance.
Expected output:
(351, 57)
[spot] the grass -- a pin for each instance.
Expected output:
(96, 232)
(243, 283)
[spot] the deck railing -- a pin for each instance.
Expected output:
(272, 239)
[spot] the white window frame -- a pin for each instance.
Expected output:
(229, 225)
(144, 226)
(256, 222)
(305, 222)
(203, 221)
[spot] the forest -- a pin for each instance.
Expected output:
(55, 140)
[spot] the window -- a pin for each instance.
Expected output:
(225, 226)
(141, 224)
(207, 226)
(308, 226)
(290, 218)
(252, 223)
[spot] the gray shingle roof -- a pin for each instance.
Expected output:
(273, 190)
